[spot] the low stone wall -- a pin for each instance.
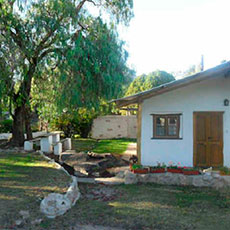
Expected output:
(114, 126)
(208, 179)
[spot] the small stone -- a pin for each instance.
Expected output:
(216, 175)
(143, 178)
(19, 223)
(121, 174)
(153, 178)
(226, 180)
(24, 214)
(207, 177)
(198, 181)
(36, 221)
(218, 183)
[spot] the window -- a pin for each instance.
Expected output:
(166, 126)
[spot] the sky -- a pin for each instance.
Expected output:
(172, 35)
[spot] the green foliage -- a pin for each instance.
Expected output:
(224, 170)
(146, 82)
(77, 122)
(136, 166)
(6, 126)
(95, 68)
(60, 45)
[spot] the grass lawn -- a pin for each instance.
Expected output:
(117, 146)
(26, 178)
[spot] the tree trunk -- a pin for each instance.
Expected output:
(18, 127)
(29, 135)
(20, 115)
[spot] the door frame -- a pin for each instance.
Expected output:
(194, 133)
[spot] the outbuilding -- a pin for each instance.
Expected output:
(186, 121)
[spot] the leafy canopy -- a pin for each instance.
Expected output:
(61, 38)
(146, 82)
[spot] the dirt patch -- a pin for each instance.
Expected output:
(101, 193)
(93, 227)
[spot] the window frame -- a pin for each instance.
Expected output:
(166, 117)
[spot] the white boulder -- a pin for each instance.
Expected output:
(56, 204)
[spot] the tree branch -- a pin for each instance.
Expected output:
(44, 53)
(92, 2)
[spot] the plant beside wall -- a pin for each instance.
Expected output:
(191, 171)
(135, 168)
(174, 169)
(224, 171)
(160, 168)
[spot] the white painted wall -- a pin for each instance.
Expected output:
(114, 126)
(205, 96)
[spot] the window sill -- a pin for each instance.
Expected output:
(166, 138)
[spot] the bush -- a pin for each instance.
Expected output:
(77, 123)
(35, 127)
(6, 126)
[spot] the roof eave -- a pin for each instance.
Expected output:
(201, 76)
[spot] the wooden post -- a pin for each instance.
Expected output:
(139, 124)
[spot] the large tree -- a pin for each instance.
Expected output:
(46, 34)
(149, 81)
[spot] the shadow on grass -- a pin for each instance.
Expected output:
(151, 206)
(24, 180)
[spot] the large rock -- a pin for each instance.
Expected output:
(73, 193)
(92, 164)
(207, 177)
(25, 214)
(153, 178)
(218, 182)
(143, 178)
(201, 181)
(130, 178)
(56, 204)
(226, 180)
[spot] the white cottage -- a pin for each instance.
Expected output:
(186, 121)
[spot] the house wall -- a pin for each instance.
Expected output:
(114, 126)
(208, 95)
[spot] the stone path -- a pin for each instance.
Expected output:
(131, 150)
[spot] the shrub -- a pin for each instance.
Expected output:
(76, 123)
(6, 126)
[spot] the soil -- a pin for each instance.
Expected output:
(90, 165)
(93, 227)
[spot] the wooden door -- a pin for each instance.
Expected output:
(208, 139)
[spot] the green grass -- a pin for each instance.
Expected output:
(83, 144)
(151, 206)
(26, 178)
(117, 146)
